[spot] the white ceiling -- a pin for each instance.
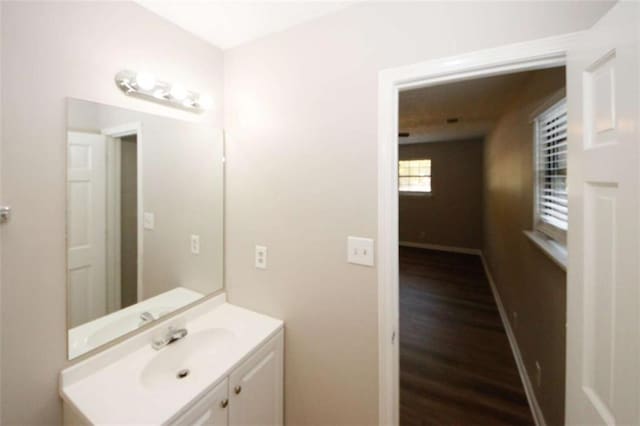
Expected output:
(476, 103)
(228, 23)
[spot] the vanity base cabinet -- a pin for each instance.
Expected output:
(211, 410)
(256, 387)
(252, 395)
(70, 417)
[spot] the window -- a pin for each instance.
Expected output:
(415, 176)
(551, 163)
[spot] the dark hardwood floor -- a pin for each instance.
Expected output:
(456, 365)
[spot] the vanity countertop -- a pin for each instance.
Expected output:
(127, 383)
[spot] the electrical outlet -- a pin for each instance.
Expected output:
(195, 244)
(261, 257)
(538, 374)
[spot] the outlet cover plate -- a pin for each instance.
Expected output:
(261, 257)
(149, 220)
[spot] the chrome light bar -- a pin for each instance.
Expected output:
(145, 86)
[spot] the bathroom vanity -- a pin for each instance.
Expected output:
(145, 240)
(227, 370)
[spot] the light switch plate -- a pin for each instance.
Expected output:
(261, 257)
(360, 251)
(195, 244)
(148, 220)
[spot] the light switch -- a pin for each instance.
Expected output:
(148, 220)
(360, 251)
(261, 257)
(195, 244)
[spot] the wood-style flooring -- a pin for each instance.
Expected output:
(456, 365)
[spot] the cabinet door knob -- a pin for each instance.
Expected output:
(237, 389)
(224, 403)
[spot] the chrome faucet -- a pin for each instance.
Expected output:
(171, 336)
(145, 318)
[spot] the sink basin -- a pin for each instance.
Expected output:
(182, 360)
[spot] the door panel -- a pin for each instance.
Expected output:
(86, 180)
(603, 349)
(256, 388)
(210, 410)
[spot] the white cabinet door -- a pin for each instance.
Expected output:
(603, 287)
(210, 410)
(86, 218)
(255, 387)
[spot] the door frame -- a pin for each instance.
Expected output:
(117, 132)
(525, 56)
(114, 229)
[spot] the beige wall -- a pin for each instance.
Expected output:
(301, 115)
(452, 214)
(528, 281)
(128, 221)
(50, 51)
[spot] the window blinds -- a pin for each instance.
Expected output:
(414, 175)
(552, 202)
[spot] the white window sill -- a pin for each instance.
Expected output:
(554, 250)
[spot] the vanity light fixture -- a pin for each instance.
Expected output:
(146, 86)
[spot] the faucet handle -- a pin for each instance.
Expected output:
(169, 336)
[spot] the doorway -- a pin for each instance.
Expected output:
(128, 221)
(510, 59)
(476, 344)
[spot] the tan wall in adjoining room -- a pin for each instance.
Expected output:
(301, 171)
(128, 221)
(529, 282)
(452, 214)
(50, 51)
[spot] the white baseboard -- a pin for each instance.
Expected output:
(538, 416)
(463, 250)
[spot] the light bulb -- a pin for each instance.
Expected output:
(178, 92)
(145, 81)
(205, 101)
(160, 94)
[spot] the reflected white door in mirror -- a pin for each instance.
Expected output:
(219, 365)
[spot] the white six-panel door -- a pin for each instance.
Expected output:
(603, 333)
(86, 226)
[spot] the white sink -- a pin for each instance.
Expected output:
(139, 385)
(190, 355)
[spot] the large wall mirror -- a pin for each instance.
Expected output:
(144, 219)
